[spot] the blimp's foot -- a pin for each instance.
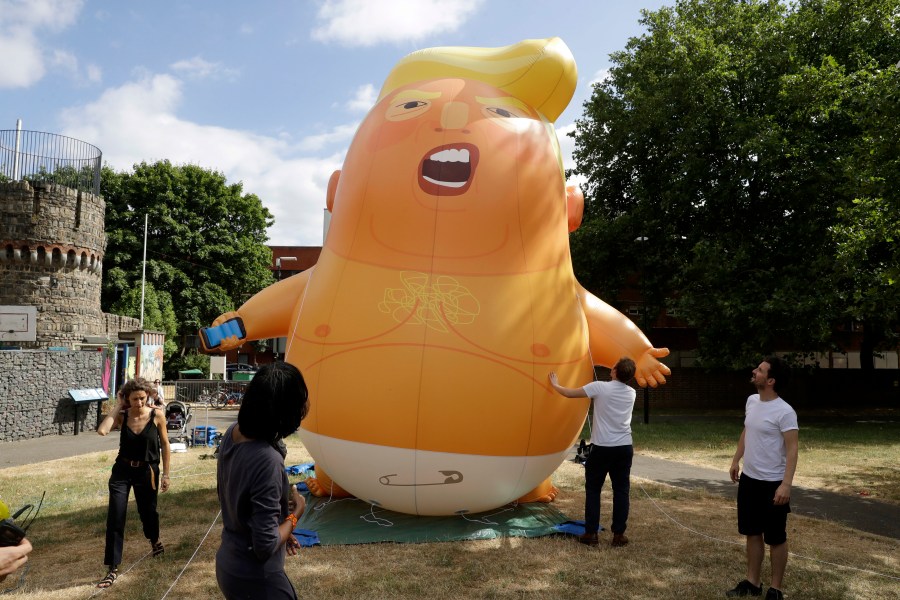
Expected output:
(321, 485)
(545, 492)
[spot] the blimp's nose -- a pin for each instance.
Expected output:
(455, 115)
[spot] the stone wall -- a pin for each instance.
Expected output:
(34, 398)
(113, 324)
(52, 241)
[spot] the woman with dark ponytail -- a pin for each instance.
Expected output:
(259, 507)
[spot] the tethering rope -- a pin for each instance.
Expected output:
(213, 524)
(371, 517)
(793, 554)
(136, 563)
(732, 542)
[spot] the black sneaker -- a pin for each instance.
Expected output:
(745, 588)
(774, 594)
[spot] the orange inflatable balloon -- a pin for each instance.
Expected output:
(444, 293)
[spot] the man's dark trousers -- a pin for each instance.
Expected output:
(615, 461)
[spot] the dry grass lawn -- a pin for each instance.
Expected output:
(684, 545)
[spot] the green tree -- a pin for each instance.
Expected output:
(159, 313)
(721, 140)
(206, 244)
(868, 231)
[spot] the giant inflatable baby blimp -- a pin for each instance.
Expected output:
(444, 294)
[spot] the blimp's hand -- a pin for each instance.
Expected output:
(227, 332)
(649, 371)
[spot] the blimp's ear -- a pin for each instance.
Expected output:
(574, 205)
(332, 191)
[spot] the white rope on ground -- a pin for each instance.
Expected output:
(700, 533)
(381, 522)
(136, 563)
(213, 524)
(484, 520)
(330, 499)
(192, 475)
(21, 583)
(793, 554)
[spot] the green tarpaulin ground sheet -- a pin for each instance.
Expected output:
(352, 521)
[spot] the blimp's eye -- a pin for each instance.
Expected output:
(513, 118)
(409, 109)
(500, 112)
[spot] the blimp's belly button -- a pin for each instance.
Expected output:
(322, 330)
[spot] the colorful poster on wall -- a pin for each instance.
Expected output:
(151, 362)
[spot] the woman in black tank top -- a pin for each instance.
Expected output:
(143, 442)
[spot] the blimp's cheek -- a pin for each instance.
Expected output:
(388, 135)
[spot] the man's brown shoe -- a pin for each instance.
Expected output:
(590, 539)
(618, 540)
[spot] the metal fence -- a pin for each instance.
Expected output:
(211, 392)
(36, 156)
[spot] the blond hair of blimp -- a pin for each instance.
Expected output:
(541, 73)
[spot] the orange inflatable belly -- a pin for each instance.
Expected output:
(437, 362)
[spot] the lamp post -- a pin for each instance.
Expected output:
(645, 318)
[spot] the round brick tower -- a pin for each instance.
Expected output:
(52, 241)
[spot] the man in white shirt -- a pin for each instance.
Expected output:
(612, 449)
(769, 446)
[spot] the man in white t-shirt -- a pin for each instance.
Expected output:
(612, 450)
(769, 446)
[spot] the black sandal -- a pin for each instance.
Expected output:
(109, 579)
(157, 548)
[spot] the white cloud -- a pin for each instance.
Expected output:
(65, 61)
(94, 73)
(23, 26)
(68, 63)
(199, 68)
(23, 64)
(337, 135)
(32, 14)
(599, 77)
(364, 99)
(138, 122)
(366, 23)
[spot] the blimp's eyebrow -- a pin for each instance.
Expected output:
(407, 95)
(504, 101)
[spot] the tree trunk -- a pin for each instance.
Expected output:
(873, 334)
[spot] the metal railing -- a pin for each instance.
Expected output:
(212, 392)
(36, 156)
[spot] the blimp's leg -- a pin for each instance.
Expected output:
(322, 485)
(545, 492)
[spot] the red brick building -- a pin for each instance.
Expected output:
(286, 261)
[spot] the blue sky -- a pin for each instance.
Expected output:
(268, 92)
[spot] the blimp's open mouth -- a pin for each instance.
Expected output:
(448, 170)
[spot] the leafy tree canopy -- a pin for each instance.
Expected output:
(206, 246)
(159, 314)
(737, 157)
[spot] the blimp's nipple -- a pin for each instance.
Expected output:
(540, 350)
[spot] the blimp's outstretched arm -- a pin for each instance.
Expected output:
(613, 335)
(265, 315)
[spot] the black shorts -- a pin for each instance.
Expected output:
(757, 512)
